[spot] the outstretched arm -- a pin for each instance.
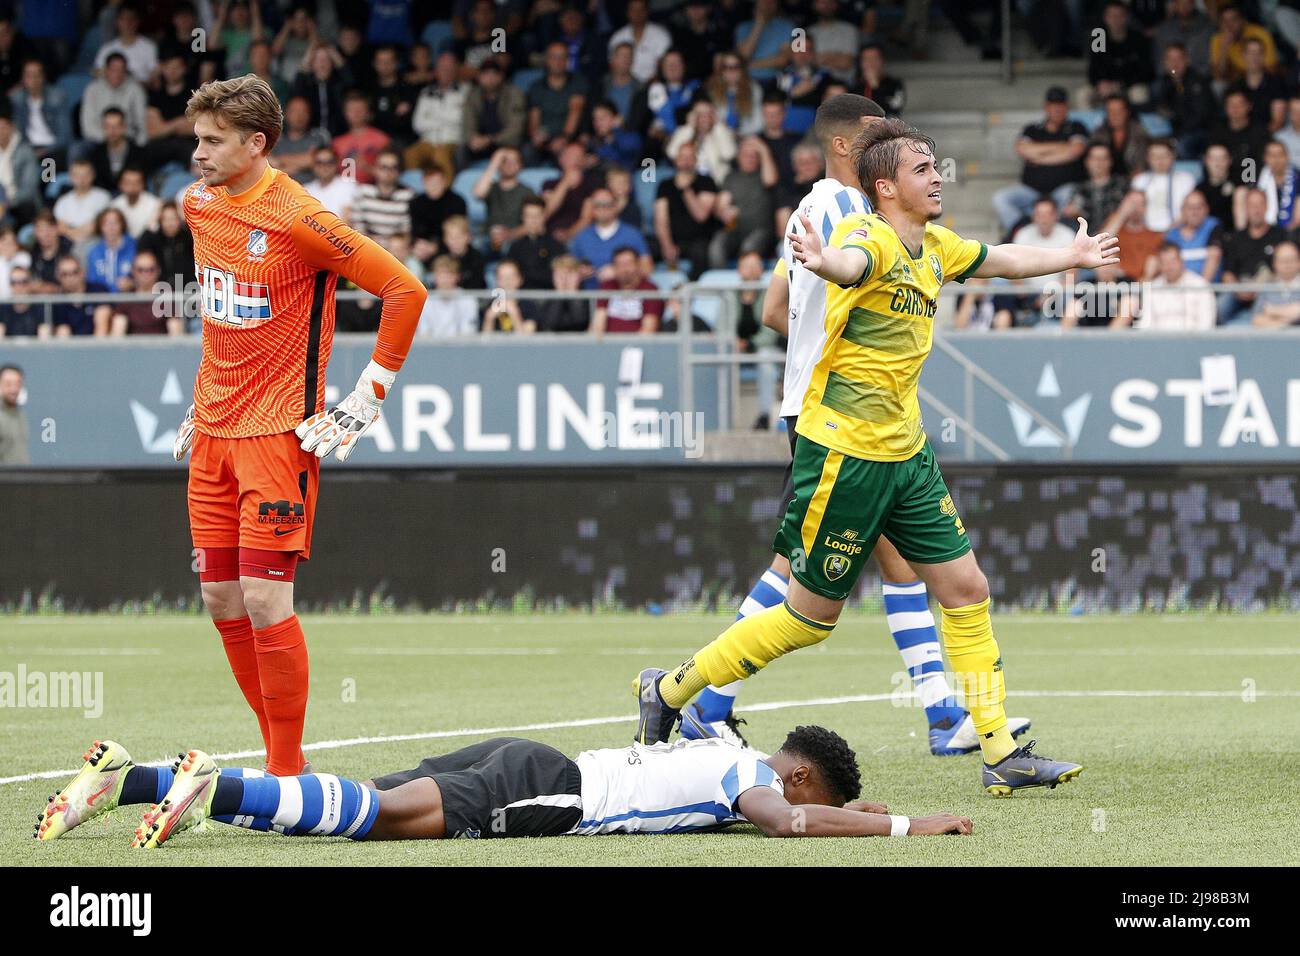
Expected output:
(771, 813)
(842, 266)
(1011, 261)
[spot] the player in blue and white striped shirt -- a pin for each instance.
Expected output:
(505, 787)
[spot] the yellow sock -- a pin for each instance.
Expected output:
(678, 687)
(742, 650)
(977, 668)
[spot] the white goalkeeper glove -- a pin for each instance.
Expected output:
(184, 436)
(341, 426)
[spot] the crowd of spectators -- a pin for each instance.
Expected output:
(1185, 143)
(542, 145)
(519, 145)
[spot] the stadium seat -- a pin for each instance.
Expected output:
(463, 186)
(90, 44)
(645, 192)
(1156, 125)
(174, 183)
(708, 308)
(667, 281)
(525, 78)
(1089, 118)
(412, 179)
(72, 86)
(55, 188)
(437, 36)
(25, 234)
(1192, 166)
(534, 176)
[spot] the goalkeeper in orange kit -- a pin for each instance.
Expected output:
(268, 257)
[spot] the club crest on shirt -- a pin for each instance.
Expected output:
(256, 245)
(936, 267)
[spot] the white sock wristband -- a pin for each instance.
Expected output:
(898, 826)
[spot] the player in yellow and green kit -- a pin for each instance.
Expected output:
(863, 466)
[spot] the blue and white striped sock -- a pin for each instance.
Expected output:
(315, 804)
(145, 785)
(907, 608)
(715, 703)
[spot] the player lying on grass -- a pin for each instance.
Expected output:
(504, 787)
(863, 465)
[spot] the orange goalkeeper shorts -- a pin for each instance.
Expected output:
(257, 492)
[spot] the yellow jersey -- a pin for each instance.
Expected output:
(862, 398)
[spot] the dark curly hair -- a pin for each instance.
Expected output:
(831, 754)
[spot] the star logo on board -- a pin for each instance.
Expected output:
(1031, 434)
(146, 422)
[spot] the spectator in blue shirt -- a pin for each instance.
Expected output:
(764, 42)
(612, 144)
(669, 97)
(595, 245)
(108, 261)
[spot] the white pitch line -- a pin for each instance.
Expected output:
(85, 651)
(820, 651)
(628, 718)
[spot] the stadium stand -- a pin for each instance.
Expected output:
(1238, 57)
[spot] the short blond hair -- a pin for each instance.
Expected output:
(246, 104)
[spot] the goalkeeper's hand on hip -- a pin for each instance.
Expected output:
(337, 429)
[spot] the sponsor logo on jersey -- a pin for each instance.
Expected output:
(227, 299)
(846, 543)
(332, 239)
(201, 194)
(288, 515)
(257, 243)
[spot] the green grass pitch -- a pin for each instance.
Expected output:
(1183, 766)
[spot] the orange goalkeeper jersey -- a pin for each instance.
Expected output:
(268, 262)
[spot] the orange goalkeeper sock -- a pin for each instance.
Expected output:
(237, 639)
(282, 665)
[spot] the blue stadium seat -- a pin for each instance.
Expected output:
(1089, 118)
(174, 183)
(1192, 166)
(534, 176)
(437, 36)
(667, 281)
(72, 86)
(412, 179)
(645, 192)
(1156, 125)
(90, 44)
(525, 78)
(25, 234)
(62, 181)
(709, 307)
(490, 275)
(463, 186)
